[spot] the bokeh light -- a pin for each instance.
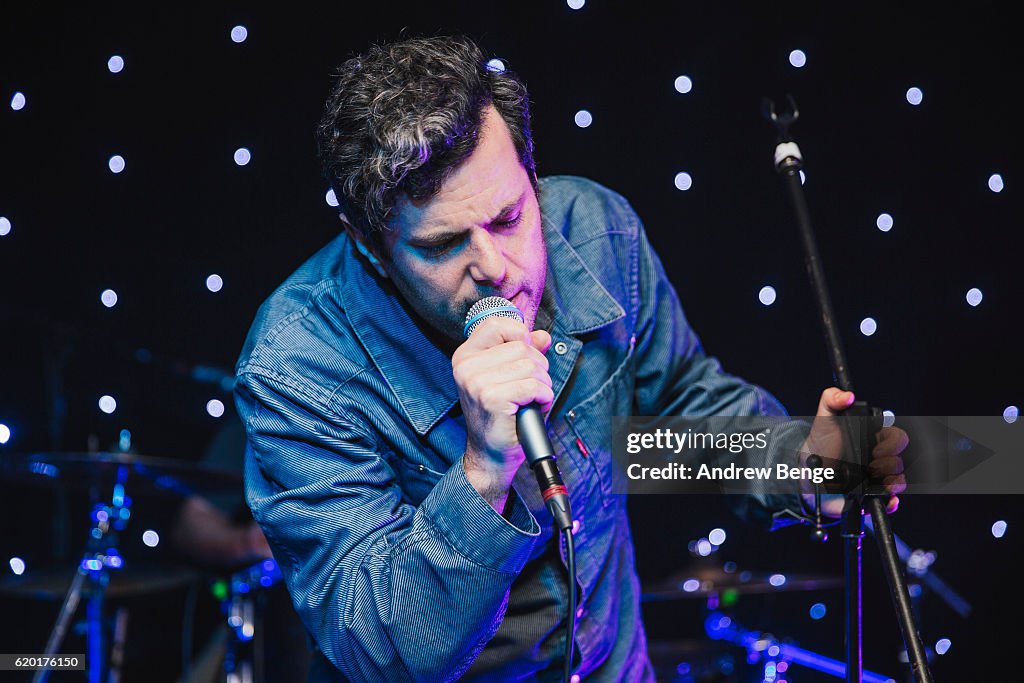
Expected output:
(215, 407)
(107, 404)
(5, 226)
(868, 327)
(5, 433)
(583, 118)
(18, 101)
(797, 58)
(496, 65)
(995, 182)
(214, 282)
(717, 536)
(884, 222)
(1011, 413)
(108, 298)
(150, 538)
(575, 4)
(331, 198)
(683, 84)
(818, 610)
(17, 565)
(915, 96)
(115, 64)
(683, 181)
(767, 295)
(999, 529)
(116, 163)
(942, 646)
(239, 34)
(243, 156)
(974, 296)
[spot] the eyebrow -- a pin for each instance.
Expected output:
(445, 235)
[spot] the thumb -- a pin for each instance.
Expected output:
(541, 340)
(833, 401)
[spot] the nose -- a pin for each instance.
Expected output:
(488, 264)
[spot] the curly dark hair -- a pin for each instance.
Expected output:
(402, 117)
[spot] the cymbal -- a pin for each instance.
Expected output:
(700, 582)
(53, 584)
(172, 475)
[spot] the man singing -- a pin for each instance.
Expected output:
(383, 463)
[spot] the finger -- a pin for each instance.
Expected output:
(485, 360)
(893, 505)
(885, 466)
(896, 484)
(833, 401)
(497, 330)
(541, 340)
(891, 441)
(523, 392)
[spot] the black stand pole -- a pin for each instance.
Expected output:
(859, 434)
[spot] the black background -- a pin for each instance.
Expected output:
(189, 96)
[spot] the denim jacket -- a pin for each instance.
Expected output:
(398, 568)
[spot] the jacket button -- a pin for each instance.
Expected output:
(561, 348)
(571, 415)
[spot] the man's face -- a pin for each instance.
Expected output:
(479, 236)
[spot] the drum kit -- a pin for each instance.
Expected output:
(730, 651)
(105, 576)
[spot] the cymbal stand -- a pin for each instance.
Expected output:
(244, 609)
(859, 436)
(91, 579)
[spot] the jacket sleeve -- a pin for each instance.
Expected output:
(676, 377)
(389, 591)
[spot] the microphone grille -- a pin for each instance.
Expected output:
(490, 307)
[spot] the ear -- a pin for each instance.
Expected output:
(375, 262)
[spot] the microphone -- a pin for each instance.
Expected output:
(530, 429)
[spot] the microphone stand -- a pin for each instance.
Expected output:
(859, 435)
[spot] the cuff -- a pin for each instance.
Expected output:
(475, 529)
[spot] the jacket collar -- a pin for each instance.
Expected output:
(417, 369)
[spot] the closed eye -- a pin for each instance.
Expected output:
(510, 222)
